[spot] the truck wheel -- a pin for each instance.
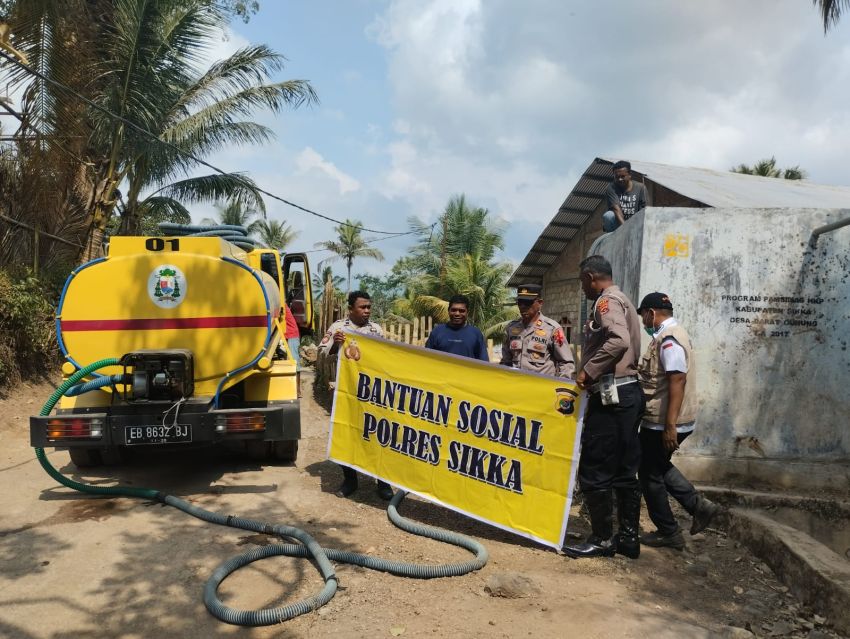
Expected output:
(286, 451)
(258, 450)
(85, 457)
(111, 456)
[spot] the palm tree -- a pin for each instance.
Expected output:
(482, 281)
(460, 230)
(456, 256)
(138, 59)
(768, 168)
(320, 279)
(350, 245)
(275, 234)
(831, 11)
(236, 214)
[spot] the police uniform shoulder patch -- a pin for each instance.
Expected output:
(558, 336)
(602, 306)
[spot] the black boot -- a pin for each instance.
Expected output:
(600, 505)
(385, 491)
(349, 483)
(627, 541)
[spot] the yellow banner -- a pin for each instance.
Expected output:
(489, 441)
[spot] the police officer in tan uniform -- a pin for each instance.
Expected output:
(359, 312)
(610, 448)
(534, 342)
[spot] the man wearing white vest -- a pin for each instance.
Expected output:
(667, 374)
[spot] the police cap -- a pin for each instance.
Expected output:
(656, 300)
(529, 292)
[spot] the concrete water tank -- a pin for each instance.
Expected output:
(768, 308)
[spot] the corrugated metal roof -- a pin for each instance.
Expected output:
(712, 188)
(573, 213)
(735, 190)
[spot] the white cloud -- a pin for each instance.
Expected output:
(310, 160)
(508, 102)
(222, 47)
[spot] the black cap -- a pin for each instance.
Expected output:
(528, 292)
(656, 300)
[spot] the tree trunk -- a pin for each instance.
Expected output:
(102, 205)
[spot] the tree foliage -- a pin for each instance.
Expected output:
(456, 255)
(322, 277)
(145, 62)
(384, 291)
(275, 234)
(235, 213)
(350, 245)
(767, 168)
(831, 11)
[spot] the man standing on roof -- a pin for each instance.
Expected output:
(667, 374)
(625, 197)
(456, 336)
(610, 449)
(359, 312)
(534, 342)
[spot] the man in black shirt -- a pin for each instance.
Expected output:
(625, 197)
(456, 336)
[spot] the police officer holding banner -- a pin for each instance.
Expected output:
(359, 312)
(534, 342)
(610, 448)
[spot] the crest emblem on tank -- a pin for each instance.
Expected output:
(167, 286)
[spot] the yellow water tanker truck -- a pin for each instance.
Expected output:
(197, 327)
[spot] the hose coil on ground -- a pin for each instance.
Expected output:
(307, 547)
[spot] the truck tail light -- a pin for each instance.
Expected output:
(240, 423)
(65, 428)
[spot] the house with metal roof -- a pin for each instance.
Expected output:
(553, 259)
(758, 271)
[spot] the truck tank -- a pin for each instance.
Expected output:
(192, 293)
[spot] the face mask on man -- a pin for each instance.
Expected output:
(650, 329)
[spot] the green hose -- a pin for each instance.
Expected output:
(307, 548)
(124, 491)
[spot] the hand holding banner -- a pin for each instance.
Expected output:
(492, 442)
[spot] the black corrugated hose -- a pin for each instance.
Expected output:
(307, 547)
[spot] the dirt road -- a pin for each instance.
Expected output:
(76, 566)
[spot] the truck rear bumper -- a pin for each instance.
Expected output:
(194, 424)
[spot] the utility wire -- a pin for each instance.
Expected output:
(370, 241)
(183, 152)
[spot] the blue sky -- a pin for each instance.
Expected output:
(508, 102)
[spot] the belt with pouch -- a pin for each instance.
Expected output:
(618, 381)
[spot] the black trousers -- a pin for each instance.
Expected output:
(660, 478)
(610, 447)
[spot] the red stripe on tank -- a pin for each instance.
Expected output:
(251, 321)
